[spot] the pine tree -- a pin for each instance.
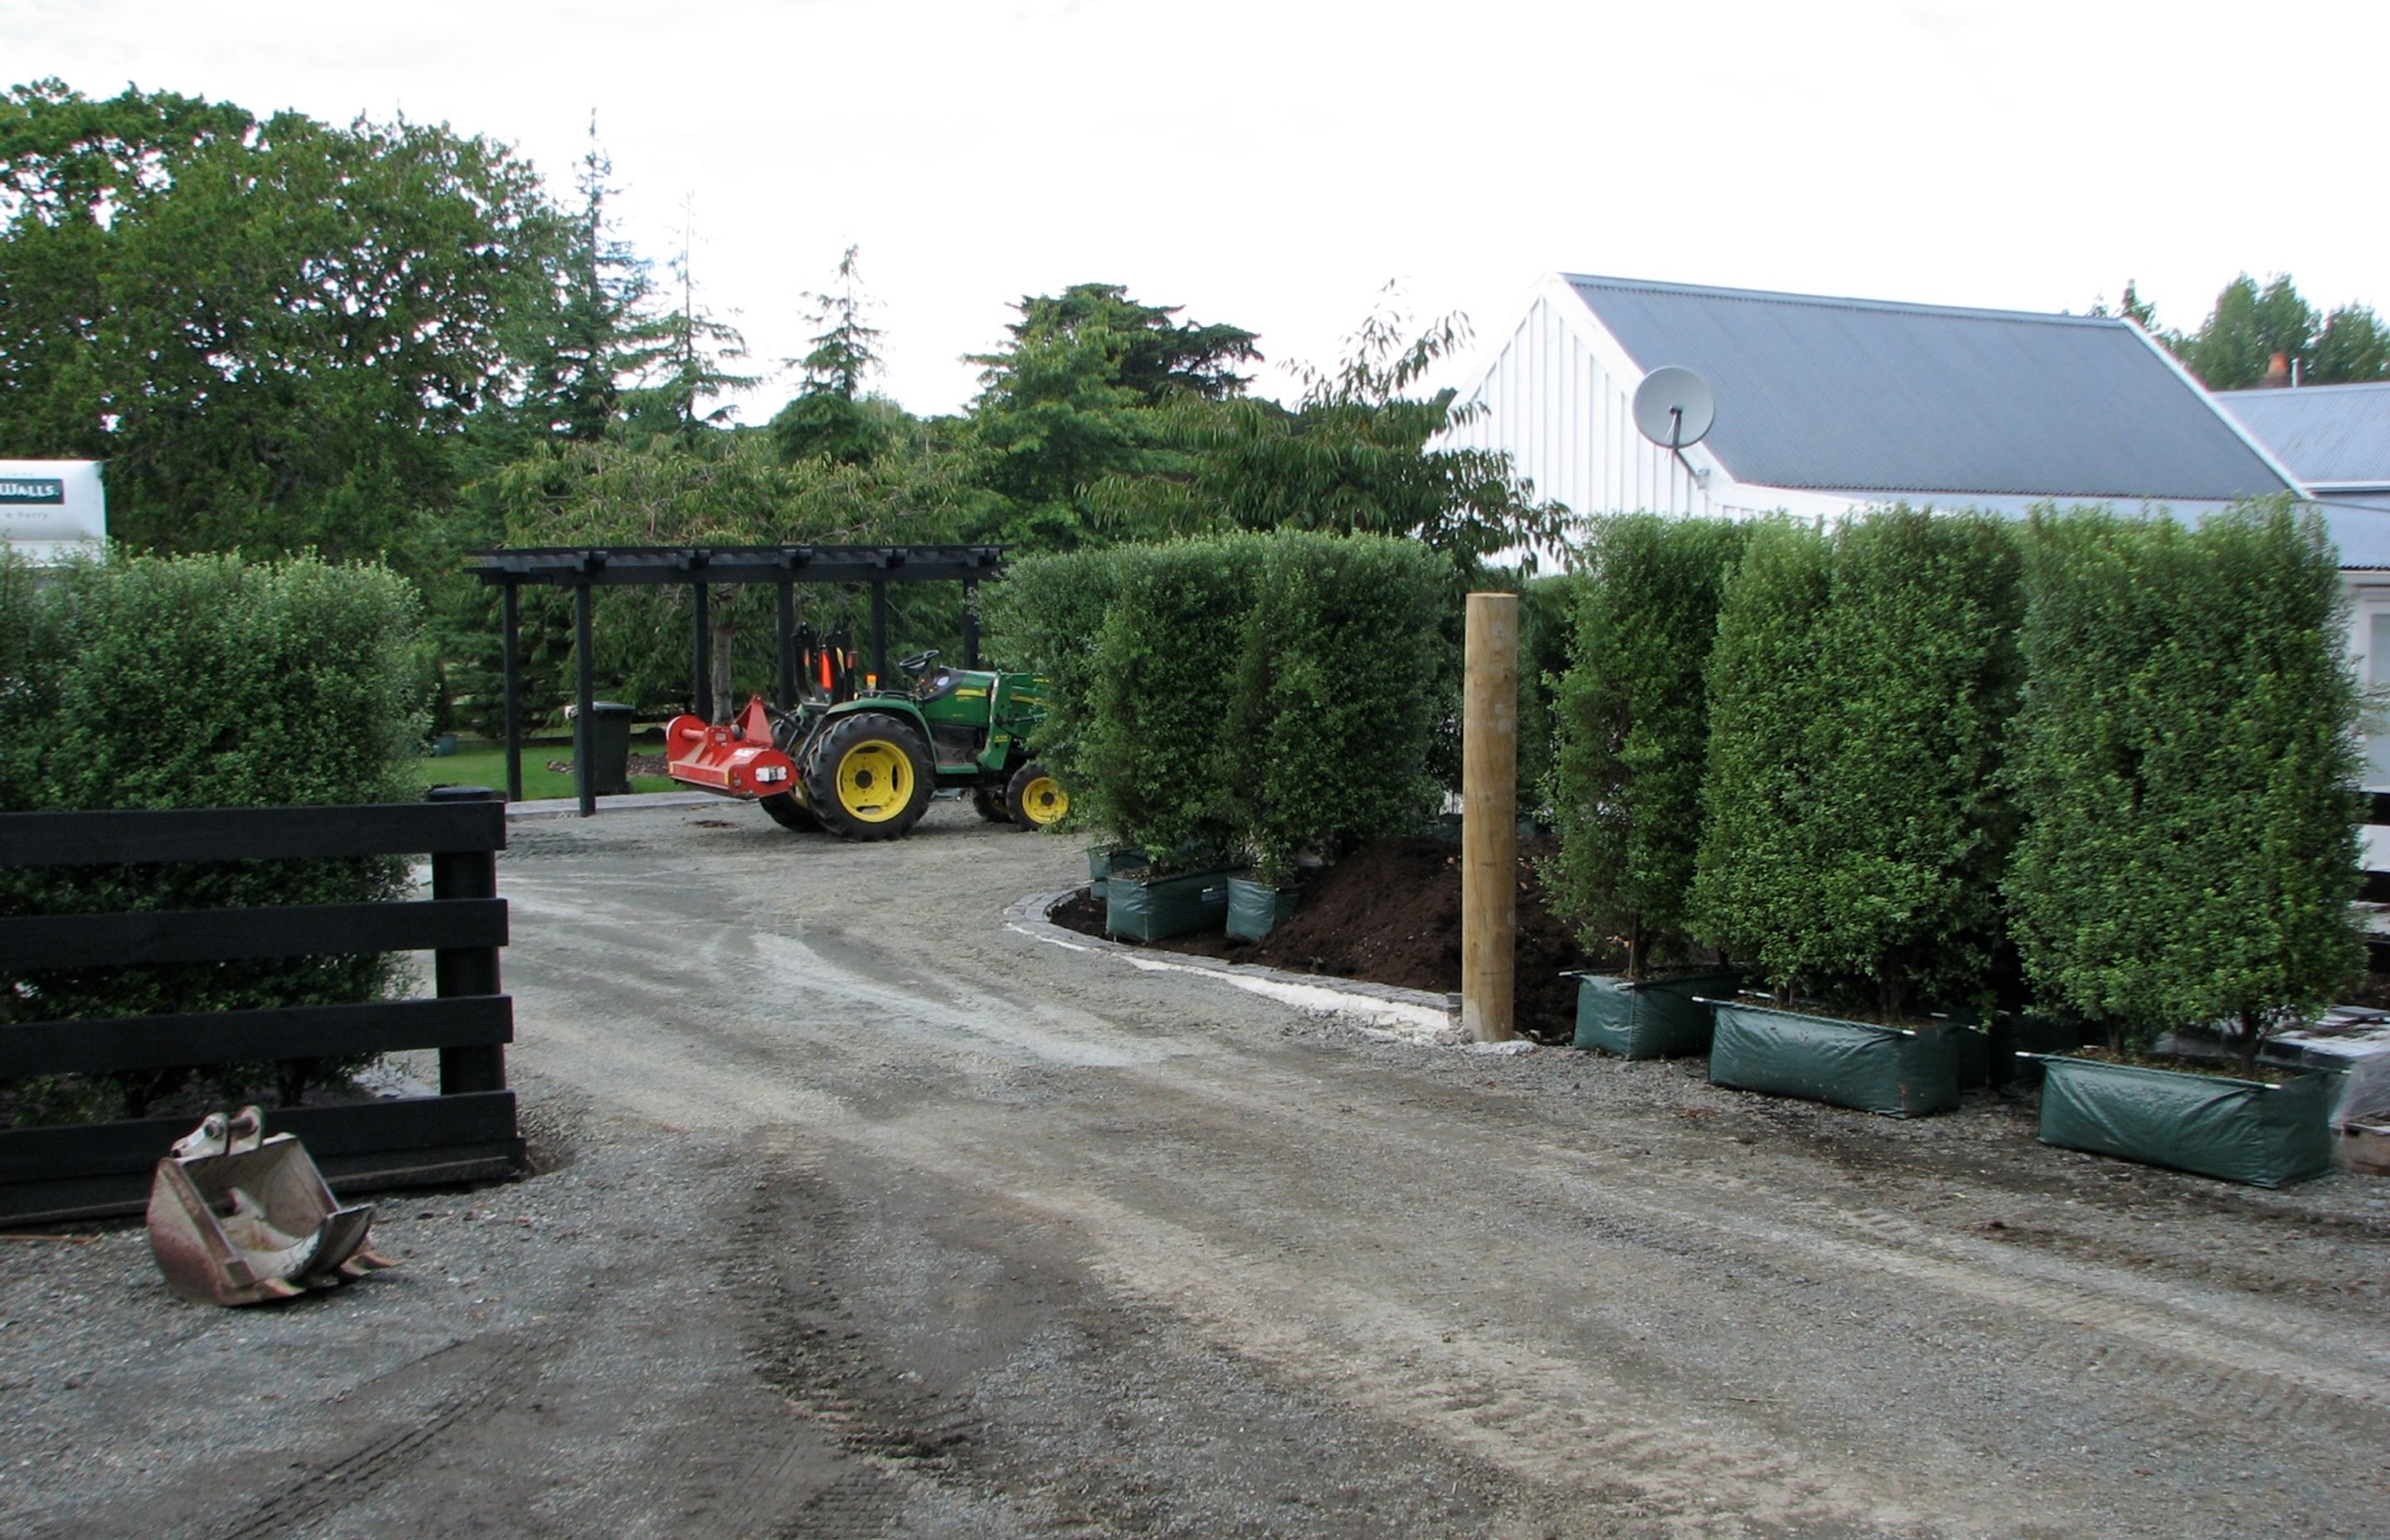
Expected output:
(831, 417)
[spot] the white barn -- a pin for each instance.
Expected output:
(1828, 405)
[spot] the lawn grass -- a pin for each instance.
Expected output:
(488, 767)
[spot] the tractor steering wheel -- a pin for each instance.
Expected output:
(918, 661)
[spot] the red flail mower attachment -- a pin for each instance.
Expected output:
(737, 759)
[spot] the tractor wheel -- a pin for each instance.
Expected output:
(989, 800)
(1036, 799)
(789, 812)
(868, 777)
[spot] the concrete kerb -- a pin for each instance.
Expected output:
(636, 801)
(1380, 1010)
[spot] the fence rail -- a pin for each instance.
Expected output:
(466, 1133)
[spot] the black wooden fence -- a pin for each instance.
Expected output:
(466, 1133)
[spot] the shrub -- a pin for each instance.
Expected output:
(2187, 756)
(1042, 617)
(1633, 718)
(205, 681)
(1152, 750)
(1263, 695)
(1860, 692)
(1341, 678)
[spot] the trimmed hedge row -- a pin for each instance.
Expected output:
(203, 682)
(1856, 828)
(1256, 698)
(1932, 750)
(1633, 717)
(2187, 759)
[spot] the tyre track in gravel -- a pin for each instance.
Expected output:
(1190, 1167)
(406, 1415)
(1514, 1394)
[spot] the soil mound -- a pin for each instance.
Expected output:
(1389, 913)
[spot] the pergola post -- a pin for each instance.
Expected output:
(701, 695)
(879, 629)
(785, 622)
(510, 671)
(584, 694)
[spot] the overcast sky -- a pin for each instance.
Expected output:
(1275, 163)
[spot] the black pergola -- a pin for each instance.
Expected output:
(584, 568)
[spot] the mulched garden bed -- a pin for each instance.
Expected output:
(1390, 914)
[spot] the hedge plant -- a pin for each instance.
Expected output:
(204, 681)
(1633, 717)
(1860, 692)
(1041, 618)
(2187, 754)
(1244, 696)
(1341, 683)
(1154, 750)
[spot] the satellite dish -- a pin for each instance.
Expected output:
(1674, 407)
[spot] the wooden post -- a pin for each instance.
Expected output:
(467, 970)
(584, 696)
(700, 665)
(1489, 818)
(785, 621)
(511, 611)
(879, 631)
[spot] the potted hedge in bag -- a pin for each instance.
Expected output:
(1633, 723)
(2186, 755)
(1154, 741)
(1856, 826)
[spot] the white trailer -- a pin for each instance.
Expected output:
(51, 510)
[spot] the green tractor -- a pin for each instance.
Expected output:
(862, 762)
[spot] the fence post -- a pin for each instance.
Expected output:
(467, 970)
(1489, 829)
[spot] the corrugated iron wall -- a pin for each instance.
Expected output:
(1567, 424)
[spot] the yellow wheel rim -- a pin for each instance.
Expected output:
(875, 781)
(1044, 802)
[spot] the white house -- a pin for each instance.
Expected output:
(51, 509)
(1830, 404)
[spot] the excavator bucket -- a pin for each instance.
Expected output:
(237, 1219)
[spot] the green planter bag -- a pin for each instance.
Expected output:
(2240, 1130)
(1903, 1073)
(1255, 908)
(1155, 908)
(1663, 1018)
(1103, 863)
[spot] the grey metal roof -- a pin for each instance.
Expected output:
(1828, 393)
(2329, 435)
(2360, 528)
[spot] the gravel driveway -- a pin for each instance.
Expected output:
(863, 1211)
